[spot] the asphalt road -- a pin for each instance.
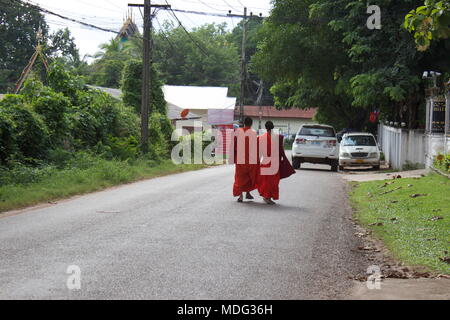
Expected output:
(185, 237)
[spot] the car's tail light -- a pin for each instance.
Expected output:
(332, 143)
(300, 141)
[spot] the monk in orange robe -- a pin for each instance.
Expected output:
(274, 164)
(246, 159)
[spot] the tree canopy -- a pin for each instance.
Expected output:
(430, 21)
(19, 25)
(320, 53)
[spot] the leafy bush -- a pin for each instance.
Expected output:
(7, 139)
(132, 88)
(94, 119)
(30, 131)
(31, 90)
(19, 174)
(53, 107)
(127, 122)
(59, 157)
(64, 82)
(124, 148)
(442, 162)
(159, 144)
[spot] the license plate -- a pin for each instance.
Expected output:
(316, 143)
(359, 161)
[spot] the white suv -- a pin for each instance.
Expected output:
(316, 143)
(359, 150)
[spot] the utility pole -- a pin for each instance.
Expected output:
(147, 69)
(243, 68)
(260, 93)
(243, 76)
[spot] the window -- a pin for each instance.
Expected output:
(317, 131)
(359, 141)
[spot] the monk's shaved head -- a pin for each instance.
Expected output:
(248, 122)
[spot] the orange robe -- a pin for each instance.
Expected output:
(247, 172)
(268, 185)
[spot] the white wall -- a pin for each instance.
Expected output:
(414, 146)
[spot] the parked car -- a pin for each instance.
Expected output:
(316, 144)
(359, 150)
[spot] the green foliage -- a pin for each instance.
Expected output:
(30, 132)
(442, 161)
(107, 69)
(319, 54)
(50, 183)
(132, 88)
(62, 45)
(124, 148)
(94, 118)
(159, 144)
(7, 138)
(53, 108)
(430, 21)
(213, 60)
(19, 24)
(62, 81)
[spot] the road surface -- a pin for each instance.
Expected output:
(185, 237)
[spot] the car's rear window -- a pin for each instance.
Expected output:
(361, 141)
(317, 131)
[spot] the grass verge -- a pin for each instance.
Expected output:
(64, 183)
(411, 217)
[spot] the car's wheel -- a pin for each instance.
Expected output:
(376, 168)
(296, 163)
(341, 168)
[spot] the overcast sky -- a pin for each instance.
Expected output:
(110, 14)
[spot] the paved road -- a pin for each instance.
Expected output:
(185, 237)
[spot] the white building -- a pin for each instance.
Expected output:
(208, 105)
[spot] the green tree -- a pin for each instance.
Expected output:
(254, 26)
(30, 132)
(160, 128)
(132, 88)
(430, 21)
(61, 45)
(205, 58)
(320, 53)
(107, 68)
(8, 145)
(19, 24)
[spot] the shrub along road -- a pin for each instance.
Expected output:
(185, 237)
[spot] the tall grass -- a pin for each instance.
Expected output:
(27, 187)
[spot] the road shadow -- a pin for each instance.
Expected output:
(314, 169)
(279, 206)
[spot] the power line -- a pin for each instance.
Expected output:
(234, 8)
(189, 35)
(202, 13)
(241, 3)
(207, 5)
(63, 17)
